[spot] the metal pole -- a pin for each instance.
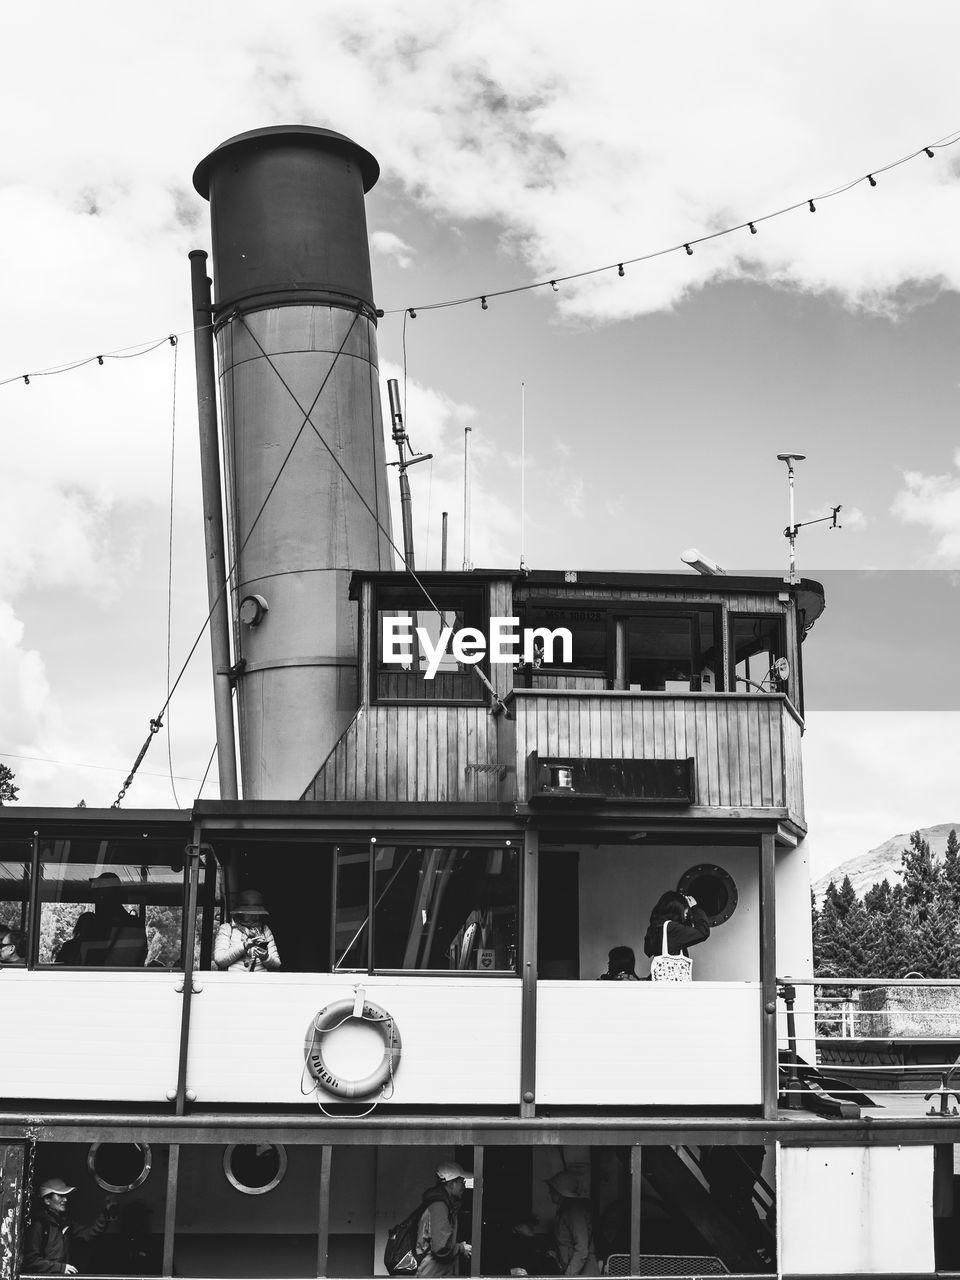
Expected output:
(213, 525)
(443, 543)
(523, 466)
(466, 499)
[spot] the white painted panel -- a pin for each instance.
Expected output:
(460, 1037)
(649, 1044)
(867, 1210)
(94, 1034)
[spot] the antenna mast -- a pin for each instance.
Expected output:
(406, 459)
(467, 566)
(523, 469)
(793, 528)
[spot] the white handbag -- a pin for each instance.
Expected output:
(668, 968)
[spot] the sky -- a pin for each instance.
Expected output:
(517, 144)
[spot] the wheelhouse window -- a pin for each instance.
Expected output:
(672, 651)
(111, 903)
(409, 663)
(756, 642)
(435, 907)
(588, 632)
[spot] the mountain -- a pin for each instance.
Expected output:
(883, 862)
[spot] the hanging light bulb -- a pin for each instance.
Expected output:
(871, 179)
(928, 152)
(554, 286)
(483, 304)
(753, 229)
(620, 271)
(813, 207)
(411, 313)
(689, 251)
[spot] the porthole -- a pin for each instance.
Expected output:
(254, 1168)
(119, 1166)
(714, 890)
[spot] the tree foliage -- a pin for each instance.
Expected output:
(8, 792)
(912, 927)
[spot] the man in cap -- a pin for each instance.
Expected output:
(437, 1245)
(47, 1246)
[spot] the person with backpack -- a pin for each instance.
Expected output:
(46, 1248)
(437, 1248)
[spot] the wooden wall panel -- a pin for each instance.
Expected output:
(411, 753)
(746, 746)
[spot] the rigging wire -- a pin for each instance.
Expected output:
(173, 458)
(157, 722)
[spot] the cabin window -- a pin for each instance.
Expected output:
(408, 661)
(588, 632)
(111, 903)
(672, 651)
(756, 642)
(436, 907)
(15, 860)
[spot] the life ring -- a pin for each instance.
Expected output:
(334, 1015)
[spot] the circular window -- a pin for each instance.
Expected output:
(713, 889)
(119, 1166)
(254, 1168)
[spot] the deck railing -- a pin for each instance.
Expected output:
(894, 1040)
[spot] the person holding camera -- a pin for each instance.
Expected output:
(46, 1248)
(246, 941)
(687, 924)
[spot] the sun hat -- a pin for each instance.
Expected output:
(54, 1186)
(249, 902)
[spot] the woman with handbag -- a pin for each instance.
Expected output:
(676, 923)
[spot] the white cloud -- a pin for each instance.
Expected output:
(392, 246)
(933, 502)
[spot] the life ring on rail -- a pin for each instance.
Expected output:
(335, 1015)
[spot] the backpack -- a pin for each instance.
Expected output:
(400, 1252)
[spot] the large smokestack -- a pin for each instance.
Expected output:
(292, 289)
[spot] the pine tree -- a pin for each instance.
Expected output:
(951, 867)
(877, 899)
(923, 878)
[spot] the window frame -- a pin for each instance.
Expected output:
(780, 621)
(484, 842)
(407, 596)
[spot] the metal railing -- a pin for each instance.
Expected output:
(872, 1041)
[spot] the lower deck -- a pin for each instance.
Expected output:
(236, 1193)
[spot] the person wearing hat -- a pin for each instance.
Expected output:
(573, 1230)
(46, 1249)
(438, 1248)
(246, 941)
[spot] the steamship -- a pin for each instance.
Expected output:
(447, 862)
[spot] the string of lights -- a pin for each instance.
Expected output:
(686, 246)
(122, 353)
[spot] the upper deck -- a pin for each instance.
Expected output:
(703, 674)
